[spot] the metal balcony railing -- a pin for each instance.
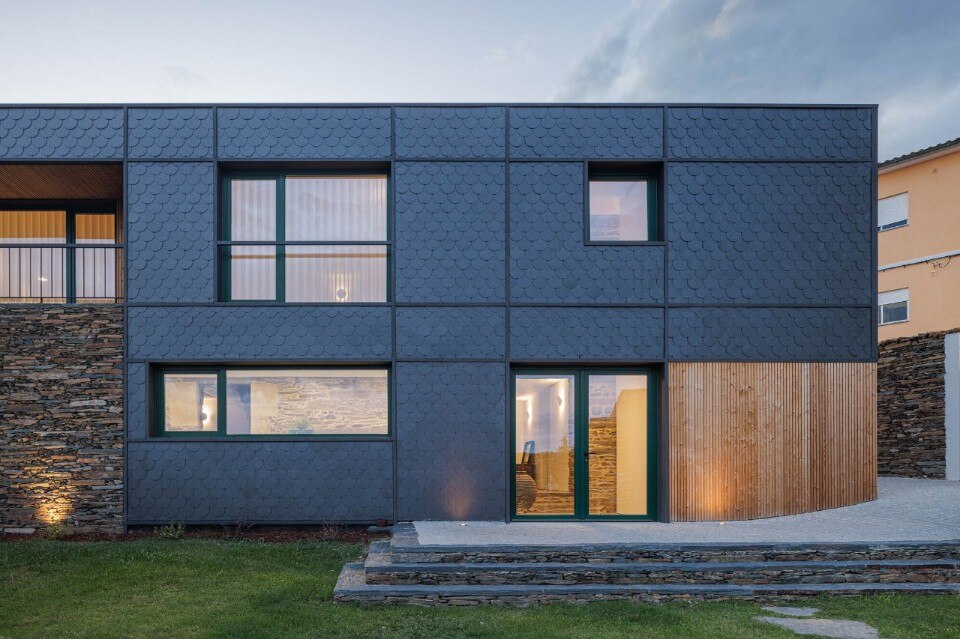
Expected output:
(61, 273)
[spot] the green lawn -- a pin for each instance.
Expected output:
(223, 588)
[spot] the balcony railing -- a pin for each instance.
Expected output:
(61, 273)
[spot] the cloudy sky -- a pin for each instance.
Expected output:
(904, 55)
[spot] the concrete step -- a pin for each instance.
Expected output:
(352, 587)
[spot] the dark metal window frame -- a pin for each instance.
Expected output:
(581, 375)
(607, 171)
(71, 209)
(159, 422)
(279, 177)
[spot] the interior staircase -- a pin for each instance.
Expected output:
(400, 570)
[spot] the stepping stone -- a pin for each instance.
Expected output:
(792, 612)
(832, 628)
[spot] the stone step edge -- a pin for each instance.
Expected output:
(351, 583)
(451, 567)
(406, 540)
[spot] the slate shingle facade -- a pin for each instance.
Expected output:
(767, 254)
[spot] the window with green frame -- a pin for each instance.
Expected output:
(623, 206)
(305, 237)
(60, 252)
(267, 402)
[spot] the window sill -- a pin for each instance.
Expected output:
(896, 322)
(611, 243)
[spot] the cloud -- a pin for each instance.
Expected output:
(900, 55)
(595, 74)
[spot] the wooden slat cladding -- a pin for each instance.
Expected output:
(751, 440)
(61, 181)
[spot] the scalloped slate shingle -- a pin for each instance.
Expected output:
(777, 334)
(586, 132)
(304, 132)
(251, 482)
(171, 232)
(450, 333)
(259, 332)
(173, 133)
(770, 133)
(450, 441)
(450, 231)
(61, 133)
(586, 333)
(771, 233)
(136, 402)
(549, 262)
(450, 132)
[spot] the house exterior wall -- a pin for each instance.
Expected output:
(767, 255)
(61, 417)
(933, 228)
(911, 406)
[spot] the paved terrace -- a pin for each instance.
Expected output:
(905, 510)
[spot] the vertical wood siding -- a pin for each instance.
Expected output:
(751, 440)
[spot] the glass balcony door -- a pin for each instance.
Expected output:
(584, 444)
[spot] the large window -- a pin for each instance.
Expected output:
(894, 306)
(59, 252)
(893, 212)
(622, 207)
(317, 238)
(197, 402)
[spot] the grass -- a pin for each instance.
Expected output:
(225, 588)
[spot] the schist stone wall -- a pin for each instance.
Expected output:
(911, 436)
(61, 417)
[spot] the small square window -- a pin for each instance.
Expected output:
(623, 208)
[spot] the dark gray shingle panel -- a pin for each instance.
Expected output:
(769, 133)
(172, 235)
(61, 133)
(634, 133)
(450, 333)
(260, 332)
(171, 133)
(136, 403)
(250, 482)
(549, 262)
(772, 334)
(771, 233)
(450, 231)
(450, 441)
(304, 132)
(450, 132)
(629, 334)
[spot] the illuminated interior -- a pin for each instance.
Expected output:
(276, 402)
(613, 444)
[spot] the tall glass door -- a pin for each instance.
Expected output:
(584, 444)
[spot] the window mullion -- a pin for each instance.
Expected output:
(221, 401)
(281, 254)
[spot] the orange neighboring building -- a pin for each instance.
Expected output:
(919, 242)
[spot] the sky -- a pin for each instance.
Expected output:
(903, 55)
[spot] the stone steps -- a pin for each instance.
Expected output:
(352, 587)
(401, 570)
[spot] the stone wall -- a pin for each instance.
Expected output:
(911, 440)
(61, 417)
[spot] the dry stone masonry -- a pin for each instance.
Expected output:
(911, 437)
(61, 417)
